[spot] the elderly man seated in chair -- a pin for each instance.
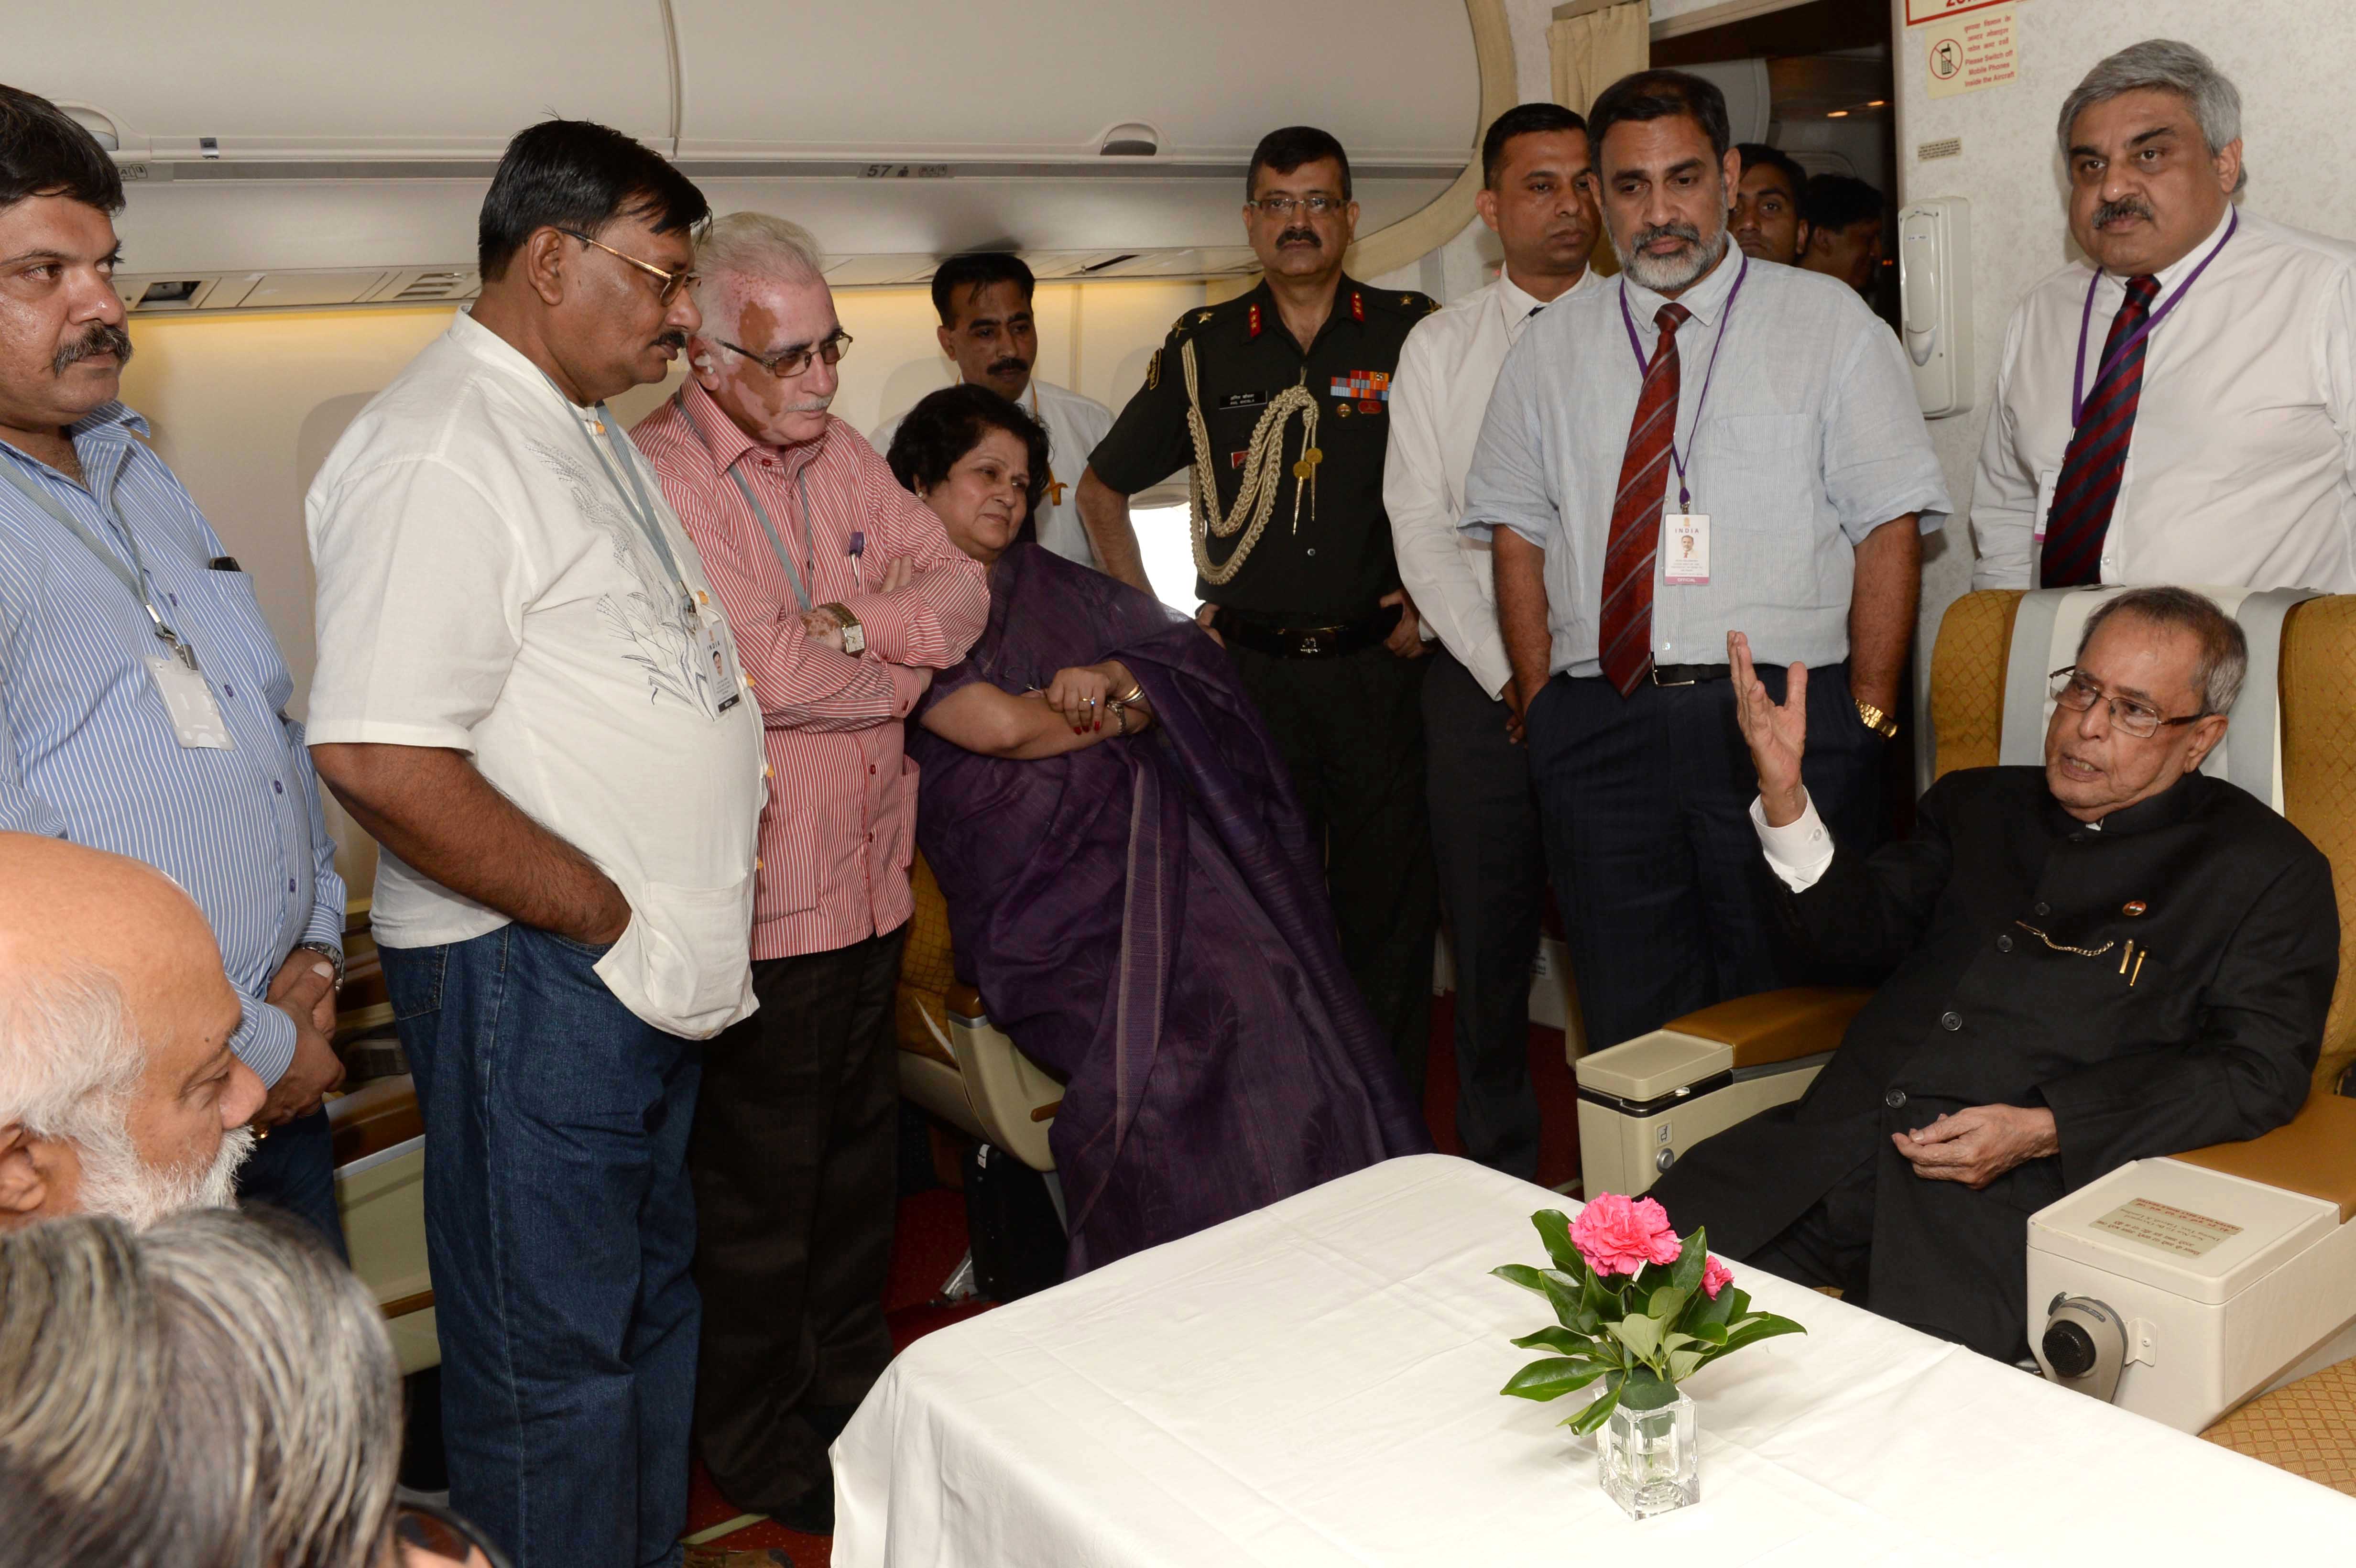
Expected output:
(2109, 959)
(119, 1093)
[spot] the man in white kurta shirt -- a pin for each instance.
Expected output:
(984, 301)
(1540, 199)
(528, 692)
(2215, 447)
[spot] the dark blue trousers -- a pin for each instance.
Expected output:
(560, 1227)
(1646, 801)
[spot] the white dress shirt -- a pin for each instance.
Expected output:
(1439, 395)
(1809, 440)
(1801, 851)
(2238, 472)
(1075, 424)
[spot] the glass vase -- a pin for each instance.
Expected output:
(1650, 1460)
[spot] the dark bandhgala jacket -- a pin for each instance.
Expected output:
(2009, 923)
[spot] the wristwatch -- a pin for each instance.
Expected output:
(327, 952)
(1880, 723)
(855, 636)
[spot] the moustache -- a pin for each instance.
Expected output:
(674, 339)
(2125, 206)
(1685, 231)
(810, 406)
(100, 337)
(1008, 365)
(1300, 237)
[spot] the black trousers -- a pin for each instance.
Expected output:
(1490, 853)
(794, 1158)
(1646, 800)
(1351, 731)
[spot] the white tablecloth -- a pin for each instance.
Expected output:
(1316, 1383)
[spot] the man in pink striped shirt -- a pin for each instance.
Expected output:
(846, 596)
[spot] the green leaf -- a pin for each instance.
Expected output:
(1596, 1413)
(1737, 1301)
(1686, 1275)
(1708, 1333)
(1520, 1275)
(1641, 1335)
(1750, 1330)
(1683, 1364)
(1596, 1298)
(1553, 1377)
(1705, 1313)
(1554, 1229)
(1560, 1340)
(1562, 1296)
(1647, 1390)
(1667, 1303)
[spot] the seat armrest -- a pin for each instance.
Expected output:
(2313, 1154)
(963, 1001)
(1778, 1025)
(376, 1116)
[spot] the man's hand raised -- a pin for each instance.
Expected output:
(1777, 733)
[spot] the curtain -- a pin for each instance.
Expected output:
(1590, 52)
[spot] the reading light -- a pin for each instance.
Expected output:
(1133, 140)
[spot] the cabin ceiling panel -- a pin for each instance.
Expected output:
(296, 78)
(1395, 80)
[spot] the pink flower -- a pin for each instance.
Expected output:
(1715, 1276)
(1616, 1236)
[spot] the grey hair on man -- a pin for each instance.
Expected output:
(69, 1067)
(2225, 651)
(743, 247)
(2164, 65)
(214, 1391)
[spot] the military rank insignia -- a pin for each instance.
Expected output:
(1370, 390)
(1255, 319)
(1357, 307)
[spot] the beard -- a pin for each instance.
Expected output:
(116, 1181)
(1670, 274)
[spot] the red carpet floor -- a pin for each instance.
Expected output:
(931, 1239)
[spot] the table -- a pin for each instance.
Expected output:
(1316, 1383)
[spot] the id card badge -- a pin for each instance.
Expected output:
(727, 688)
(2047, 483)
(1685, 550)
(196, 717)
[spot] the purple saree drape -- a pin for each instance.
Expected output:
(1148, 919)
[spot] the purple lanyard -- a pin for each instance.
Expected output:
(1628, 319)
(2086, 320)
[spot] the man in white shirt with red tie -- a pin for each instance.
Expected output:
(2184, 410)
(848, 595)
(1538, 196)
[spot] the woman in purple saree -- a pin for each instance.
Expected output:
(1130, 883)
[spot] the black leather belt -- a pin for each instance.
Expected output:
(1689, 673)
(1332, 640)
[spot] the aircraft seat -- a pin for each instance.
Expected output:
(2176, 1287)
(952, 1061)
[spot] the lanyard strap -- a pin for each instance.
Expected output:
(134, 576)
(2086, 319)
(635, 498)
(777, 543)
(1725, 319)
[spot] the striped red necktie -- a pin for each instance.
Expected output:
(2097, 454)
(1626, 633)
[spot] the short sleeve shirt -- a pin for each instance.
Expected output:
(1335, 563)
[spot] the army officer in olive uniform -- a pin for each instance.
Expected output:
(1278, 403)
(2111, 958)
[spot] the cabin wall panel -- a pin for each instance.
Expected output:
(2279, 53)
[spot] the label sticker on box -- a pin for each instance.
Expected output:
(2176, 1231)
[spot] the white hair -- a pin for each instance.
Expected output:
(2164, 65)
(69, 1068)
(217, 1391)
(751, 247)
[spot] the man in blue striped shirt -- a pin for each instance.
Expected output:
(142, 697)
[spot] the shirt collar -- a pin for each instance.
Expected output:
(1349, 309)
(111, 420)
(2166, 809)
(1706, 299)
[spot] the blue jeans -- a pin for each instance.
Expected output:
(295, 1169)
(559, 1226)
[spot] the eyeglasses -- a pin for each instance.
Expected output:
(788, 363)
(2078, 691)
(667, 284)
(419, 1526)
(1286, 206)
